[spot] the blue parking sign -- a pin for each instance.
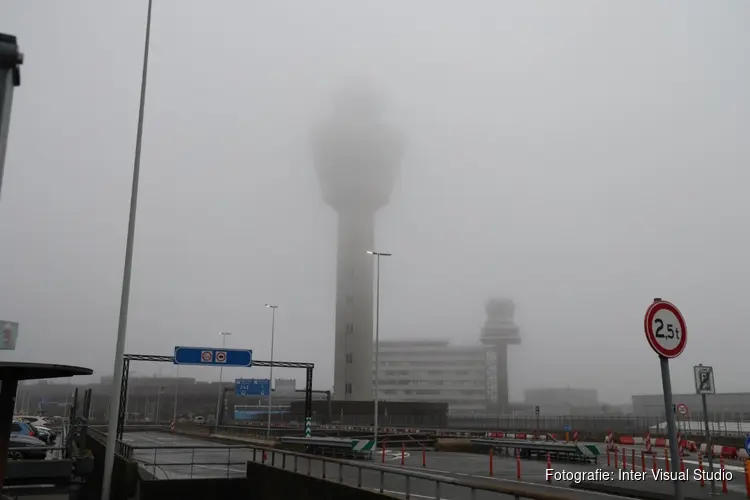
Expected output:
(567, 428)
(747, 445)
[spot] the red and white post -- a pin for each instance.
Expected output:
(518, 465)
(549, 466)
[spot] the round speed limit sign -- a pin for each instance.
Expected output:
(665, 328)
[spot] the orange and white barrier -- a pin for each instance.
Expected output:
(720, 451)
(610, 442)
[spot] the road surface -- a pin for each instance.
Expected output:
(215, 460)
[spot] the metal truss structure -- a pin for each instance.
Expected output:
(170, 359)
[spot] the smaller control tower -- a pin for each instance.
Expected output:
(499, 331)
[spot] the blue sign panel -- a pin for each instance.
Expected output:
(252, 387)
(747, 445)
(567, 428)
(212, 357)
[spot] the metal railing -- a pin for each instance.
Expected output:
(634, 425)
(656, 427)
(183, 462)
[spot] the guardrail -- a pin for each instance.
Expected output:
(163, 462)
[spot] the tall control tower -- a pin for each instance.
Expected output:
(357, 157)
(500, 331)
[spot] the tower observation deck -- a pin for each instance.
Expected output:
(357, 157)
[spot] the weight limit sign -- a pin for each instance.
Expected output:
(665, 329)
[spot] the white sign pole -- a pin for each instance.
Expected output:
(704, 384)
(667, 335)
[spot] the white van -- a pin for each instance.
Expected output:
(35, 421)
(199, 420)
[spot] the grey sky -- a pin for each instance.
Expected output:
(580, 157)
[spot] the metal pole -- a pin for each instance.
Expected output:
(270, 375)
(158, 403)
(10, 77)
(377, 352)
(114, 407)
(176, 392)
(709, 447)
(219, 397)
(666, 383)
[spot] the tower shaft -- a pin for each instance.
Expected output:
(501, 357)
(354, 301)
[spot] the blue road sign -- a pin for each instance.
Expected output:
(213, 357)
(567, 428)
(252, 387)
(747, 445)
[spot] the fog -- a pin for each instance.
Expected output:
(579, 157)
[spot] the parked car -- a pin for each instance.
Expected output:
(45, 434)
(38, 421)
(18, 428)
(30, 448)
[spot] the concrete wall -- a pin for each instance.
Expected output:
(270, 483)
(125, 476)
(263, 483)
(197, 489)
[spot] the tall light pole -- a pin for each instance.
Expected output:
(377, 342)
(122, 327)
(221, 377)
(158, 404)
(176, 393)
(270, 375)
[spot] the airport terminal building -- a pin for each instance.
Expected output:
(434, 370)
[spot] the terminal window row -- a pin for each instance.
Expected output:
(429, 364)
(406, 353)
(447, 383)
(431, 392)
(441, 373)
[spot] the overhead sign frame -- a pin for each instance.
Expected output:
(209, 356)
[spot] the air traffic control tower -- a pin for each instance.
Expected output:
(499, 331)
(357, 157)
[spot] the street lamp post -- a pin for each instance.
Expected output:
(377, 342)
(270, 375)
(158, 404)
(221, 377)
(176, 393)
(114, 406)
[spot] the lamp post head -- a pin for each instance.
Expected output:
(225, 333)
(379, 254)
(271, 306)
